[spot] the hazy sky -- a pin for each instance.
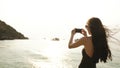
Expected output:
(40, 18)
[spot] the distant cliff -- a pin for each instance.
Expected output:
(9, 33)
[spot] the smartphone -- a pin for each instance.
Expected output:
(78, 30)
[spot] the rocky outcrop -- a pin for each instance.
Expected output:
(9, 33)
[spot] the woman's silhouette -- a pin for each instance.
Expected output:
(95, 46)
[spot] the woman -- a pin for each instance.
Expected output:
(95, 45)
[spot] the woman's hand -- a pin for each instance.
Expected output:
(73, 31)
(84, 32)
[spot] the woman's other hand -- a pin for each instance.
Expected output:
(84, 32)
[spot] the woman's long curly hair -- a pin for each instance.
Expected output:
(99, 39)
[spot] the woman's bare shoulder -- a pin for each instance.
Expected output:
(86, 40)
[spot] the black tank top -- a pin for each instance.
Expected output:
(86, 62)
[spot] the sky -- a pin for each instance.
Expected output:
(56, 18)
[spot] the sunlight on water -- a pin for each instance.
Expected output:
(54, 53)
(46, 54)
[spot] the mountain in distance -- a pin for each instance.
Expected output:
(9, 33)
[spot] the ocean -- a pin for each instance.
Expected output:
(47, 54)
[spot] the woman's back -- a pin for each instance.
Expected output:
(87, 53)
(88, 46)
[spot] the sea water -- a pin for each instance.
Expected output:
(47, 54)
